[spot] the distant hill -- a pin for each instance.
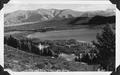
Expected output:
(63, 24)
(102, 20)
(96, 20)
(40, 15)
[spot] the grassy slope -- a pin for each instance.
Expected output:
(56, 24)
(18, 60)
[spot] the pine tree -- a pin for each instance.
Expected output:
(5, 40)
(12, 41)
(106, 47)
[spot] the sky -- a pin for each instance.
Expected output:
(51, 0)
(31, 5)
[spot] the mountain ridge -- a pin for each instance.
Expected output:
(23, 16)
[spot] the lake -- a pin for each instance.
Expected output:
(78, 34)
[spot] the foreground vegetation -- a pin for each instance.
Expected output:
(106, 47)
(18, 60)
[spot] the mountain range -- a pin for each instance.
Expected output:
(20, 17)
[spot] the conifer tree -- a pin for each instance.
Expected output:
(106, 47)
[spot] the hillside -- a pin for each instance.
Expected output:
(40, 15)
(24, 61)
(63, 24)
(96, 20)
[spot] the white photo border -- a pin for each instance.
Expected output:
(59, 73)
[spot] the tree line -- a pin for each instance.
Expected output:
(54, 47)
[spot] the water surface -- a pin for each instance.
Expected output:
(78, 34)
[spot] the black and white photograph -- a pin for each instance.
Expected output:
(60, 37)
